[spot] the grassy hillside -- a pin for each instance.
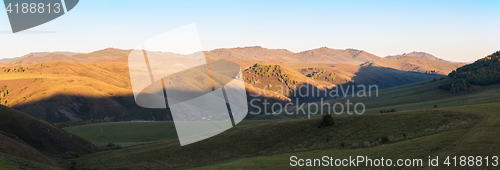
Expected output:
(45, 58)
(126, 133)
(29, 142)
(276, 137)
(415, 96)
(5, 64)
(41, 135)
(109, 52)
(8, 60)
(9, 162)
(480, 139)
(132, 133)
(63, 91)
(17, 152)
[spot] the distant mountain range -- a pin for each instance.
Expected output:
(36, 54)
(324, 55)
(43, 57)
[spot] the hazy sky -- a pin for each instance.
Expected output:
(453, 30)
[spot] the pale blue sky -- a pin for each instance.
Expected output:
(453, 30)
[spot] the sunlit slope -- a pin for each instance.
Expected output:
(62, 91)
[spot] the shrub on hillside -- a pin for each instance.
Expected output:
(326, 120)
(385, 139)
(316, 74)
(71, 155)
(331, 77)
(263, 70)
(387, 111)
(110, 145)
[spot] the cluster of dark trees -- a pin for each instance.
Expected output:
(331, 77)
(316, 74)
(483, 72)
(20, 69)
(264, 70)
(388, 111)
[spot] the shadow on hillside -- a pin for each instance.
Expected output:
(387, 77)
(62, 107)
(366, 78)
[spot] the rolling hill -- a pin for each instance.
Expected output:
(64, 91)
(254, 53)
(8, 60)
(5, 64)
(415, 64)
(320, 75)
(327, 55)
(324, 54)
(416, 54)
(97, 85)
(72, 57)
(35, 142)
